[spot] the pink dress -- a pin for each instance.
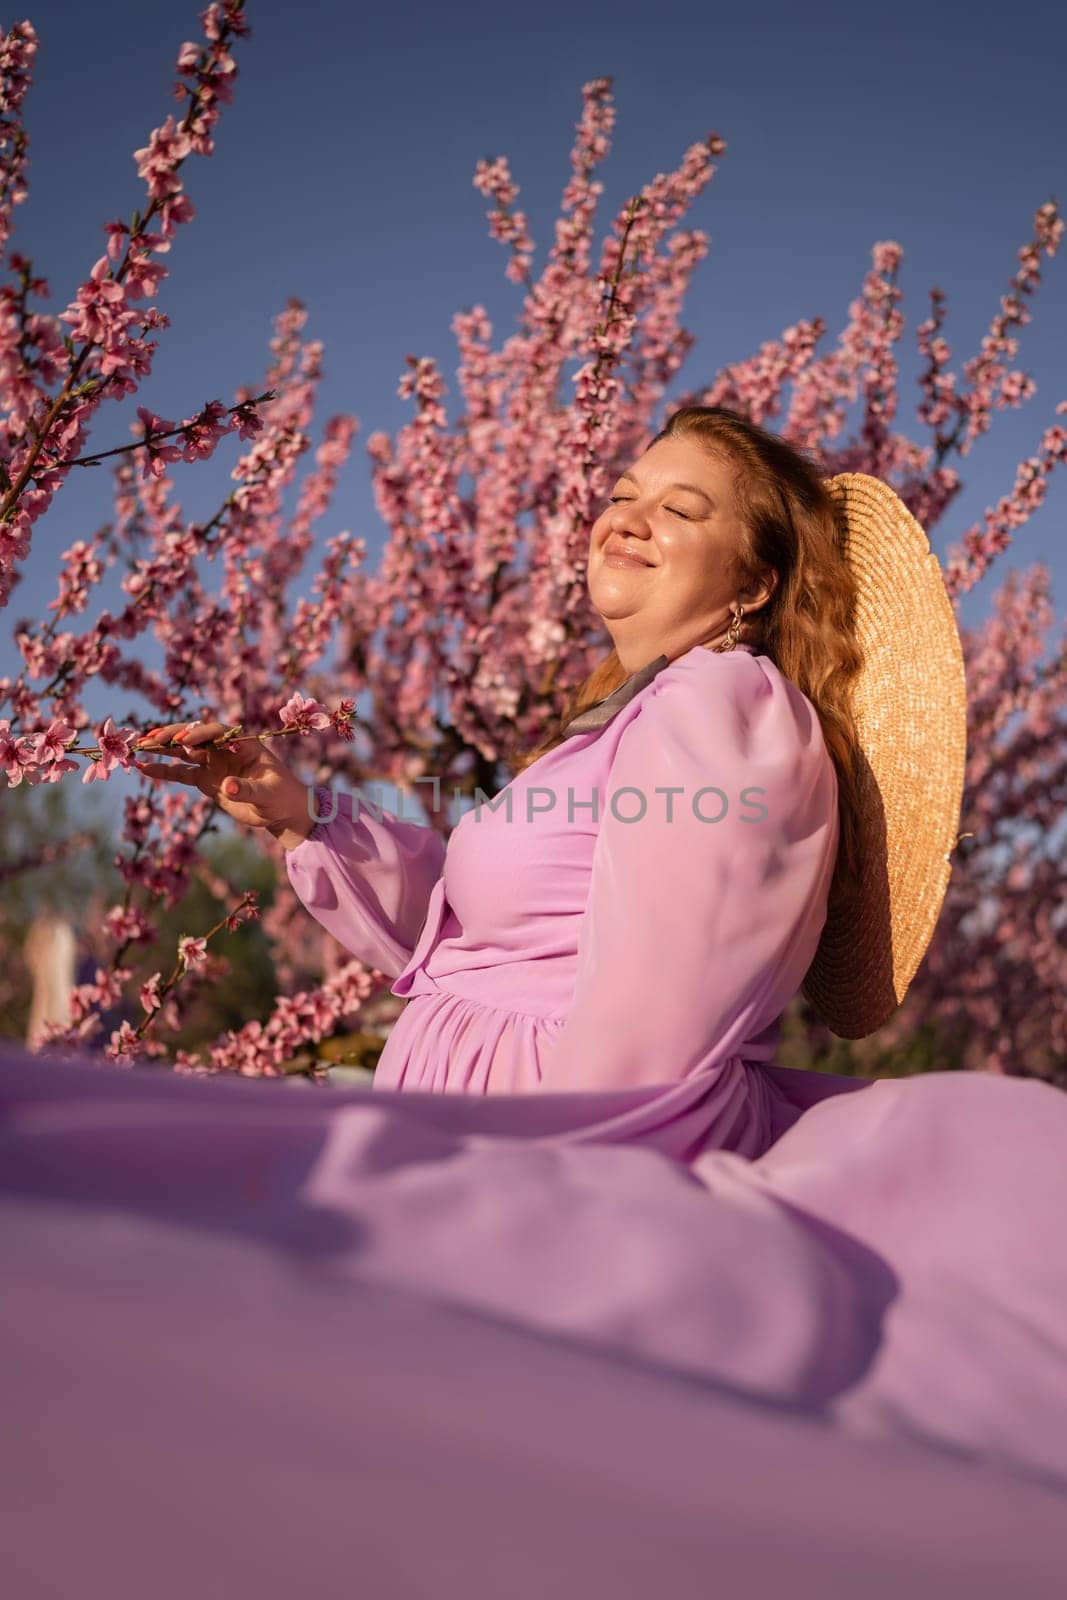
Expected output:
(631, 913)
(666, 1308)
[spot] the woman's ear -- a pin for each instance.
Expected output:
(759, 589)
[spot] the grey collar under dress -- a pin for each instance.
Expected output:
(597, 715)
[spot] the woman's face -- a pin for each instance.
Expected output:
(674, 512)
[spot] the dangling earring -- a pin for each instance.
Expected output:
(733, 632)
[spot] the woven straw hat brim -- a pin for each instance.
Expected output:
(910, 704)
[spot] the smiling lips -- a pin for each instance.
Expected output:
(620, 555)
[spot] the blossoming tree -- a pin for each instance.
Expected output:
(475, 622)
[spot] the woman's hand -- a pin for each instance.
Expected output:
(243, 777)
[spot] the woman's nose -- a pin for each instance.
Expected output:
(629, 520)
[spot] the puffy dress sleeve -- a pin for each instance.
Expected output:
(367, 877)
(697, 931)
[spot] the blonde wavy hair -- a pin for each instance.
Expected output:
(806, 628)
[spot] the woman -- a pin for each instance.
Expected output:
(638, 906)
(863, 1294)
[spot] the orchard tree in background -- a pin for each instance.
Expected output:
(474, 629)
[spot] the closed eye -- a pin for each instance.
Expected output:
(625, 499)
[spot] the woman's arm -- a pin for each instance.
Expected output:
(366, 877)
(697, 932)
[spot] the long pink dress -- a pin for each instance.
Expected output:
(631, 1309)
(631, 913)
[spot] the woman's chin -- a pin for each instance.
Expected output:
(612, 604)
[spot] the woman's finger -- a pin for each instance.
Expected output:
(197, 733)
(172, 770)
(160, 736)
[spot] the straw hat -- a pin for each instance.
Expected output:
(910, 706)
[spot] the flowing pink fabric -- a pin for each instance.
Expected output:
(273, 1341)
(625, 1307)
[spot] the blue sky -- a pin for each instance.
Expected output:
(343, 176)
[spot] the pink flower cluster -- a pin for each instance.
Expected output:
(42, 758)
(50, 392)
(261, 1049)
(199, 434)
(17, 51)
(493, 179)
